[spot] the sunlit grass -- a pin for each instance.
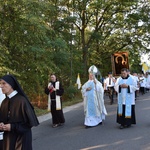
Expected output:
(40, 112)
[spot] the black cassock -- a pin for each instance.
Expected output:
(18, 112)
(57, 115)
(127, 121)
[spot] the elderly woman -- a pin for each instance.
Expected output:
(17, 116)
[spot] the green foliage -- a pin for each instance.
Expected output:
(36, 39)
(71, 92)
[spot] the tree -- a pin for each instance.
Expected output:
(109, 26)
(28, 43)
(36, 37)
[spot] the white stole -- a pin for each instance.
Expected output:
(58, 101)
(125, 98)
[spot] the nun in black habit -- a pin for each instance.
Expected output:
(17, 116)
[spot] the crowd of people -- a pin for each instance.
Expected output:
(142, 82)
(17, 115)
(126, 87)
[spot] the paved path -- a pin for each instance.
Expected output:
(73, 135)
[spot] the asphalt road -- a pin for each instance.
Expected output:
(74, 136)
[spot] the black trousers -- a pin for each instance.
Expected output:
(111, 94)
(57, 115)
(142, 90)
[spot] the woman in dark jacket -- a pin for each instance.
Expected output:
(17, 116)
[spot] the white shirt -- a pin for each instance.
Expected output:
(112, 83)
(136, 80)
(143, 82)
(148, 82)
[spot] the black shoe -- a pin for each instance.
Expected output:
(128, 126)
(61, 124)
(55, 125)
(87, 127)
(100, 123)
(121, 127)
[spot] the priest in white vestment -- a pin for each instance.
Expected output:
(94, 108)
(125, 86)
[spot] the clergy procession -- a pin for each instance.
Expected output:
(17, 115)
(122, 89)
(126, 86)
(74, 74)
(120, 94)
